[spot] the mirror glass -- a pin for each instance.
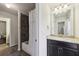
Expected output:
(62, 20)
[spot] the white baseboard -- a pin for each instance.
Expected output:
(13, 45)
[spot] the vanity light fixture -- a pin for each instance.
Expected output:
(56, 9)
(7, 5)
(65, 6)
(61, 8)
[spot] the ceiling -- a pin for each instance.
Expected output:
(23, 7)
(54, 5)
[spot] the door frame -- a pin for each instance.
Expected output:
(8, 29)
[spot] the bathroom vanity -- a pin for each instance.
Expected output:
(62, 40)
(60, 46)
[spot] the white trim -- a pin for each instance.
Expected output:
(18, 30)
(37, 17)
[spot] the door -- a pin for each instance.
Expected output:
(52, 50)
(34, 34)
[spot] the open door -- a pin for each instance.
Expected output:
(34, 32)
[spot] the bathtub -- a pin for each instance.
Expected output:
(26, 47)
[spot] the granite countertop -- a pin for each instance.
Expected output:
(71, 39)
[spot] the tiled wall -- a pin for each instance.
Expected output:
(24, 28)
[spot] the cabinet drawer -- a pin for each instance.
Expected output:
(53, 42)
(70, 52)
(68, 45)
(63, 44)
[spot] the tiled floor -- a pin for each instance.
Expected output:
(11, 51)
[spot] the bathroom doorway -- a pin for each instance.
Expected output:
(5, 32)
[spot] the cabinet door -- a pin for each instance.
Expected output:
(52, 50)
(69, 52)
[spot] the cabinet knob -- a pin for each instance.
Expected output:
(35, 40)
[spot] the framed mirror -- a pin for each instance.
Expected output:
(62, 21)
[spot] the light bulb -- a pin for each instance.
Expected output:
(65, 6)
(8, 5)
(60, 7)
(55, 9)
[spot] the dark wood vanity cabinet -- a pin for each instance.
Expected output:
(58, 48)
(52, 50)
(70, 52)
